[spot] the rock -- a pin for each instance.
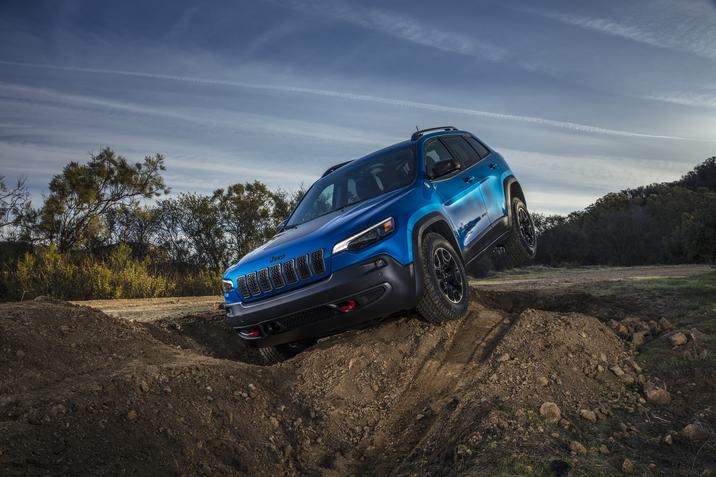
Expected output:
(542, 381)
(678, 339)
(550, 411)
(603, 449)
(657, 395)
(588, 415)
(602, 357)
(695, 432)
(144, 386)
(131, 415)
(639, 338)
(577, 448)
(19, 353)
(274, 422)
(668, 440)
(665, 324)
(652, 466)
(419, 417)
(617, 371)
(634, 365)
(503, 357)
(628, 467)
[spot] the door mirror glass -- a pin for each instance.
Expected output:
(444, 168)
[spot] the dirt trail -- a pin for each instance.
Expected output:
(85, 393)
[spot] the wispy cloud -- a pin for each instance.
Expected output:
(679, 33)
(686, 98)
(403, 27)
(231, 120)
(572, 126)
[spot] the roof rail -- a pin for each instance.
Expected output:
(419, 133)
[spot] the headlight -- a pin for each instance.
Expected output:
(227, 285)
(367, 237)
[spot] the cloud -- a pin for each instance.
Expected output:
(686, 98)
(403, 27)
(572, 126)
(231, 120)
(683, 30)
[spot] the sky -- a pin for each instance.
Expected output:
(581, 97)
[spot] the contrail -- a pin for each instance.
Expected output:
(365, 98)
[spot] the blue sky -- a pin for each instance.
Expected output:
(582, 98)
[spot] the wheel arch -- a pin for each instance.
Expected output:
(512, 189)
(433, 222)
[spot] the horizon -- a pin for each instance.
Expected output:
(581, 99)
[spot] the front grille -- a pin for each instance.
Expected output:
(302, 264)
(317, 262)
(276, 277)
(243, 288)
(280, 275)
(264, 280)
(305, 317)
(290, 271)
(253, 284)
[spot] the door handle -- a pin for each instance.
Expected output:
(469, 179)
(493, 165)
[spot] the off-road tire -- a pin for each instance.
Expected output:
(440, 302)
(282, 352)
(520, 248)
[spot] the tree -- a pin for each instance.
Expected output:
(190, 230)
(250, 213)
(14, 204)
(73, 215)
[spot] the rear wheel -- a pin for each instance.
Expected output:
(522, 245)
(446, 293)
(282, 352)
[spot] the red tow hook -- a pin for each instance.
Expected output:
(348, 305)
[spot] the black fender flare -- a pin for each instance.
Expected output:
(511, 185)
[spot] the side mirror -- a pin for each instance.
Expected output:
(443, 168)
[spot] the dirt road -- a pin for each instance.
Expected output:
(159, 386)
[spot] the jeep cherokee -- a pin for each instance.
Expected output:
(392, 231)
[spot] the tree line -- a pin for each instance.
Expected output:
(107, 229)
(673, 222)
(111, 218)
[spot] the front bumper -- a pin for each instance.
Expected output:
(380, 286)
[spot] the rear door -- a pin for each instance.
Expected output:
(459, 193)
(489, 171)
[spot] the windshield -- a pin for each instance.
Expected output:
(351, 184)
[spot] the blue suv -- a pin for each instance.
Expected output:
(392, 231)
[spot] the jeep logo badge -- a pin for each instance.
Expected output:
(278, 257)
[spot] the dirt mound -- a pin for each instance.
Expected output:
(568, 358)
(83, 393)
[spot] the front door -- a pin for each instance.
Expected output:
(459, 192)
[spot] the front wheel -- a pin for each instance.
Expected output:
(446, 294)
(282, 352)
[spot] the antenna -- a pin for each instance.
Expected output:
(416, 128)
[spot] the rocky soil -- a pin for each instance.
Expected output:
(524, 385)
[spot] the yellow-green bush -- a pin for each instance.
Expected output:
(48, 272)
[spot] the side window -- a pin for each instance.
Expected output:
(478, 146)
(434, 153)
(462, 150)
